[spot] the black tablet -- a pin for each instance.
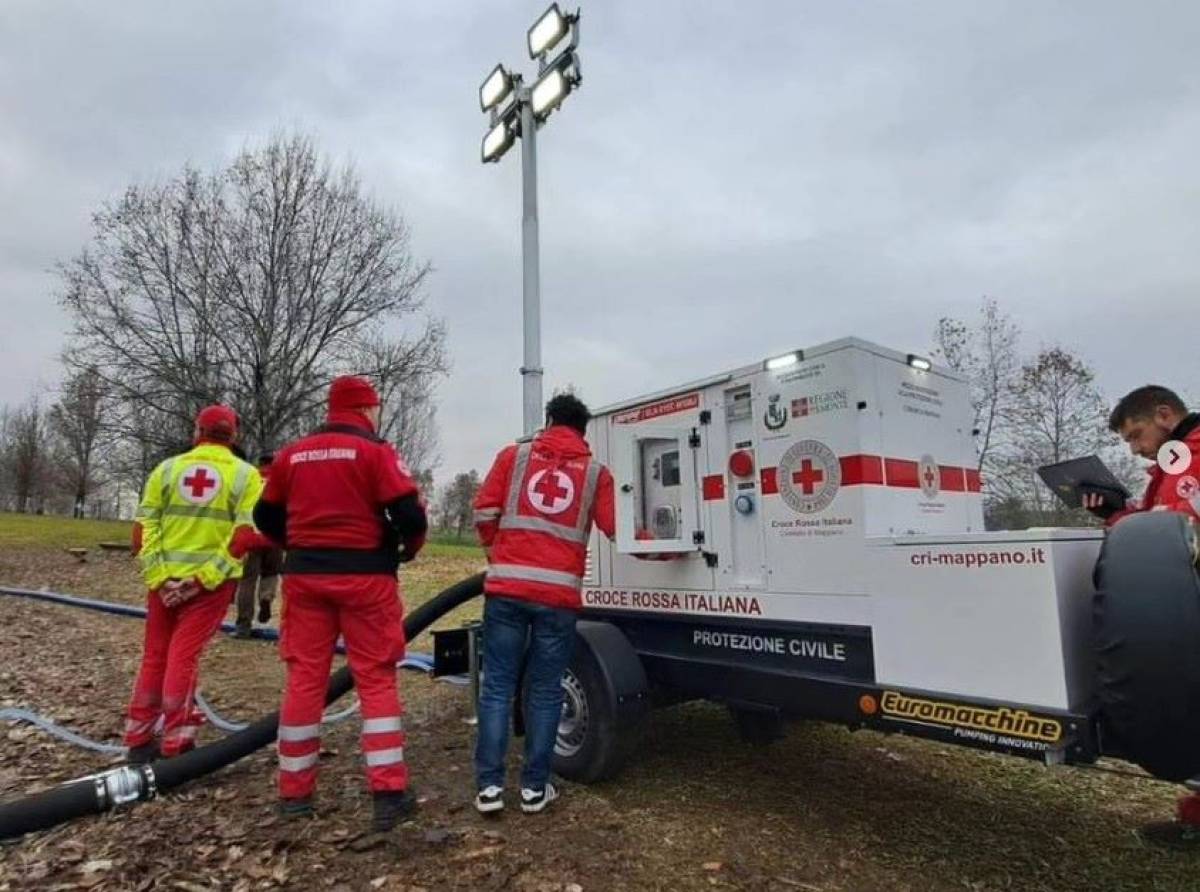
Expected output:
(1070, 479)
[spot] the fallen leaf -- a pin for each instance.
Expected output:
(712, 865)
(379, 881)
(96, 866)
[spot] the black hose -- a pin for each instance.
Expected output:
(92, 796)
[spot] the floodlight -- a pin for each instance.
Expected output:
(549, 92)
(497, 141)
(919, 362)
(782, 362)
(496, 88)
(547, 31)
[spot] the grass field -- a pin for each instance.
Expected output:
(50, 530)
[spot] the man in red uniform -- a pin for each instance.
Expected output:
(346, 508)
(1146, 419)
(534, 514)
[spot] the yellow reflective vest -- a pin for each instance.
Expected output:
(190, 507)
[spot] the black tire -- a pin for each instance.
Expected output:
(593, 742)
(1147, 624)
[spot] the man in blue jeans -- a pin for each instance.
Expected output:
(534, 514)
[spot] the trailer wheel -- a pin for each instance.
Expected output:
(1147, 623)
(604, 705)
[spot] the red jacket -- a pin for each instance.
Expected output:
(1172, 492)
(335, 485)
(535, 511)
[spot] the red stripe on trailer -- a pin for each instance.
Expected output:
(714, 487)
(871, 470)
(902, 473)
(861, 469)
(952, 479)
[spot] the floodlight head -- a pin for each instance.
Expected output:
(555, 84)
(497, 87)
(775, 363)
(920, 363)
(547, 31)
(497, 141)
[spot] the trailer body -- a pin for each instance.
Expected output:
(804, 537)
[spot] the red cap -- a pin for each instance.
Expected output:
(219, 422)
(351, 392)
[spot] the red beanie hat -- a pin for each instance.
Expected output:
(351, 392)
(219, 422)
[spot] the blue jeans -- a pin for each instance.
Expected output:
(508, 624)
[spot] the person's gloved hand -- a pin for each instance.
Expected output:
(177, 591)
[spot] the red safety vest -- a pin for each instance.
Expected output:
(535, 511)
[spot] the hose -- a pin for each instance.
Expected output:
(15, 714)
(129, 784)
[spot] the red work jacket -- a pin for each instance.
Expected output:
(1172, 492)
(335, 484)
(535, 512)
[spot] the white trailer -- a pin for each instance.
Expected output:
(823, 516)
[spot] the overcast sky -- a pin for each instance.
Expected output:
(728, 182)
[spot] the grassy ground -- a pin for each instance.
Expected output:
(823, 809)
(67, 532)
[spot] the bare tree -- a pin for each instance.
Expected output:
(988, 356)
(456, 508)
(253, 285)
(76, 422)
(1055, 413)
(405, 373)
(23, 454)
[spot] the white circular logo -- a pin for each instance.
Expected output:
(1187, 487)
(199, 484)
(551, 492)
(809, 476)
(928, 476)
(1174, 457)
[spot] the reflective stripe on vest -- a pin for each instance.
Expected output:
(533, 574)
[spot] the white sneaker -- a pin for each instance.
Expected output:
(489, 800)
(533, 801)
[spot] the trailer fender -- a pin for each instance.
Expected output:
(625, 682)
(606, 702)
(1147, 625)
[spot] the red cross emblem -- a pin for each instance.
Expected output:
(929, 476)
(1187, 487)
(199, 484)
(808, 477)
(550, 492)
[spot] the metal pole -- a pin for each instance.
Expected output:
(531, 370)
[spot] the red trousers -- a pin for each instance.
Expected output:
(366, 611)
(166, 683)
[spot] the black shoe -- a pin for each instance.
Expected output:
(533, 801)
(243, 632)
(144, 754)
(264, 611)
(489, 800)
(390, 808)
(290, 809)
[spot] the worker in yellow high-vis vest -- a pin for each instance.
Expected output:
(193, 528)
